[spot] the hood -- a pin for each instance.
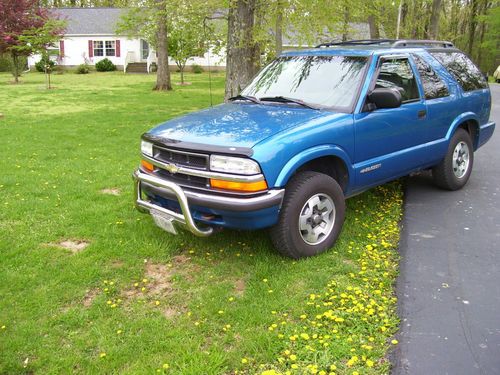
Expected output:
(233, 124)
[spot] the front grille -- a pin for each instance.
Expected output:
(183, 179)
(181, 158)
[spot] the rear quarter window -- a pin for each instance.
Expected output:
(462, 69)
(433, 85)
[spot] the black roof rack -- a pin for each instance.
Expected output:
(394, 43)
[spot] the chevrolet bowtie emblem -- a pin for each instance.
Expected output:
(172, 168)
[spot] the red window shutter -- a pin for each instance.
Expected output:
(117, 46)
(61, 48)
(91, 48)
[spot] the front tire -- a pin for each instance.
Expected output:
(311, 216)
(454, 170)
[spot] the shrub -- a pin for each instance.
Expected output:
(5, 63)
(82, 69)
(44, 61)
(105, 65)
(197, 69)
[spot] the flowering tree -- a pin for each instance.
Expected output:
(25, 28)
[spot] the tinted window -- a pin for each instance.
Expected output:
(434, 87)
(330, 81)
(462, 69)
(397, 73)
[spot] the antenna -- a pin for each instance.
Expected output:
(208, 60)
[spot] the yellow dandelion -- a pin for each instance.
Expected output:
(244, 361)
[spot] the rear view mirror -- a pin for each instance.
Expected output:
(385, 98)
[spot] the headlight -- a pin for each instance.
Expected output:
(147, 148)
(231, 164)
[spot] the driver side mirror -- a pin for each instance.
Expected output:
(385, 98)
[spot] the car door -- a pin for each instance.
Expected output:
(387, 140)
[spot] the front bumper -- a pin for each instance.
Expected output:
(188, 207)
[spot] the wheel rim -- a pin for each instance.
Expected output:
(316, 219)
(461, 159)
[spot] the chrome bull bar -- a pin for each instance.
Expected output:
(185, 219)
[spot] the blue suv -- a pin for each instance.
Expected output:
(313, 128)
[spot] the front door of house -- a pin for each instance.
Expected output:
(144, 50)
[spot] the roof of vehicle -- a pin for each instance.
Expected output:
(368, 47)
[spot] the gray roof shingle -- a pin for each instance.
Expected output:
(91, 21)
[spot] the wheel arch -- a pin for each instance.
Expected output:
(328, 159)
(470, 123)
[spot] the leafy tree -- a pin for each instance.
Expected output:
(25, 28)
(175, 28)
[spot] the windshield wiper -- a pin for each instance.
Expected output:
(249, 98)
(286, 99)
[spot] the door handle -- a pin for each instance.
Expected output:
(422, 113)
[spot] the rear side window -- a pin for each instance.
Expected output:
(462, 69)
(434, 87)
(397, 73)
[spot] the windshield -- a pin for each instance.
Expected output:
(324, 81)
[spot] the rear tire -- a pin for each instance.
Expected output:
(311, 216)
(454, 170)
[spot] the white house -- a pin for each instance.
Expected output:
(91, 36)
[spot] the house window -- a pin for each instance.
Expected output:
(110, 47)
(98, 48)
(104, 48)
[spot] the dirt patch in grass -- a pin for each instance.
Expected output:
(170, 313)
(117, 263)
(158, 278)
(239, 287)
(111, 191)
(90, 296)
(75, 246)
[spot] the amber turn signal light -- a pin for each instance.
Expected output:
(238, 186)
(147, 166)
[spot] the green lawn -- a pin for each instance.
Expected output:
(138, 300)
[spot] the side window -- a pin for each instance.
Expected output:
(397, 73)
(462, 69)
(433, 85)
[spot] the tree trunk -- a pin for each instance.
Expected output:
(472, 26)
(242, 51)
(435, 12)
(374, 30)
(163, 73)
(278, 33)
(345, 24)
(482, 31)
(15, 68)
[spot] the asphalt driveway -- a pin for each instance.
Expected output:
(449, 286)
